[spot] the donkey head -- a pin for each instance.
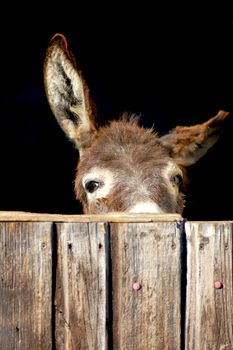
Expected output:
(122, 166)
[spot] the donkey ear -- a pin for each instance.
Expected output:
(68, 94)
(187, 144)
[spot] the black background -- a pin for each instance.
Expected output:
(171, 63)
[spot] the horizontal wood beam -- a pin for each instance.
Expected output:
(113, 217)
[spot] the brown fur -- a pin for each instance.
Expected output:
(144, 166)
(131, 152)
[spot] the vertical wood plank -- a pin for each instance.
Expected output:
(148, 318)
(209, 313)
(81, 287)
(25, 286)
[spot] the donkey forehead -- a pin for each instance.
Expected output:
(125, 145)
(126, 159)
(111, 175)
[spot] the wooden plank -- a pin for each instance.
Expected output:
(113, 217)
(81, 297)
(148, 254)
(25, 286)
(209, 313)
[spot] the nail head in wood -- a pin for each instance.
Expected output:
(218, 285)
(137, 286)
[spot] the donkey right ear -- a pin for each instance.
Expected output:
(68, 94)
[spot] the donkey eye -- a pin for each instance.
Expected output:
(92, 186)
(177, 179)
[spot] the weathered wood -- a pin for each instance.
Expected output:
(209, 315)
(148, 254)
(81, 297)
(113, 217)
(25, 286)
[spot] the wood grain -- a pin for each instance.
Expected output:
(149, 254)
(113, 217)
(209, 313)
(81, 310)
(97, 304)
(25, 286)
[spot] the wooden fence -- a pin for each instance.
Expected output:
(115, 282)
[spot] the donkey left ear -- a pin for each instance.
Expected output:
(187, 144)
(68, 94)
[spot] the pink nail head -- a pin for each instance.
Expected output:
(136, 286)
(218, 285)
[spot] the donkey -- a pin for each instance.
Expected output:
(122, 166)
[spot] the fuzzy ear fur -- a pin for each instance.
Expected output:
(69, 99)
(187, 144)
(68, 94)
